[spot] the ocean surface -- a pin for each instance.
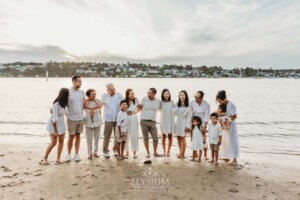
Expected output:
(268, 109)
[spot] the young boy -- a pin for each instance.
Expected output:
(122, 127)
(215, 137)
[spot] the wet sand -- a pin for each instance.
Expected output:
(257, 176)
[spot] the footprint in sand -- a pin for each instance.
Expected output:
(233, 190)
(1, 155)
(6, 169)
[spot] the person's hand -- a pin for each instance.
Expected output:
(219, 143)
(186, 130)
(204, 141)
(203, 129)
(92, 113)
(55, 133)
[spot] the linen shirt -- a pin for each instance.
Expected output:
(202, 110)
(122, 121)
(111, 106)
(214, 131)
(75, 109)
(150, 107)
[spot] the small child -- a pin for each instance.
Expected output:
(122, 128)
(223, 117)
(215, 137)
(198, 140)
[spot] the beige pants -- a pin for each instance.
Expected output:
(90, 134)
(108, 128)
(149, 127)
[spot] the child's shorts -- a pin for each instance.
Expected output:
(214, 147)
(121, 139)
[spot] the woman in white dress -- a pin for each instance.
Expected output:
(234, 149)
(183, 121)
(134, 107)
(167, 120)
(198, 139)
(56, 125)
(225, 123)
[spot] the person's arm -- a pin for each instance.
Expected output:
(119, 122)
(139, 106)
(189, 119)
(120, 131)
(232, 112)
(220, 135)
(206, 117)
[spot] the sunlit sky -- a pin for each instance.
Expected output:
(225, 33)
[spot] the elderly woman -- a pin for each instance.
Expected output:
(92, 122)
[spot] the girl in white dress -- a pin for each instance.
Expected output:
(234, 148)
(225, 123)
(134, 107)
(183, 121)
(167, 119)
(56, 125)
(198, 140)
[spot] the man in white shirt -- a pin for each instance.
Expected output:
(75, 117)
(111, 101)
(150, 105)
(201, 109)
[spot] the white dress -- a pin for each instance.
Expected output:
(197, 142)
(57, 116)
(234, 139)
(133, 128)
(167, 116)
(225, 146)
(183, 120)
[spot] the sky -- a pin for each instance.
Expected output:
(231, 33)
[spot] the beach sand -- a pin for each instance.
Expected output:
(258, 176)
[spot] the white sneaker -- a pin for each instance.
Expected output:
(106, 155)
(77, 158)
(68, 158)
(115, 153)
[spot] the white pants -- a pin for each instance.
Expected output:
(90, 134)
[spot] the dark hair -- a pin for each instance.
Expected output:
(153, 90)
(186, 101)
(63, 97)
(221, 95)
(162, 95)
(75, 77)
(89, 91)
(214, 115)
(123, 101)
(223, 107)
(201, 94)
(127, 96)
(198, 119)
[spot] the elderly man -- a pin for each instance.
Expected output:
(150, 105)
(111, 102)
(201, 109)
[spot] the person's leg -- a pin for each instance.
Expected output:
(205, 153)
(193, 155)
(216, 157)
(89, 141)
(107, 134)
(154, 135)
(114, 124)
(123, 148)
(200, 155)
(52, 144)
(184, 146)
(179, 145)
(170, 137)
(70, 143)
(96, 140)
(145, 131)
(163, 141)
(77, 142)
(61, 139)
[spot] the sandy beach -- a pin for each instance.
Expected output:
(256, 176)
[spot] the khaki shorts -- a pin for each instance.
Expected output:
(214, 147)
(75, 127)
(121, 139)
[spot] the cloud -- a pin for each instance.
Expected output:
(228, 33)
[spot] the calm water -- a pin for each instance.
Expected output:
(268, 109)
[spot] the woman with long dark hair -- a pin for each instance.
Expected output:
(183, 121)
(167, 120)
(56, 125)
(234, 146)
(133, 123)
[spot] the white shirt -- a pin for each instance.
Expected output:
(96, 122)
(111, 106)
(122, 121)
(214, 131)
(150, 107)
(75, 110)
(202, 110)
